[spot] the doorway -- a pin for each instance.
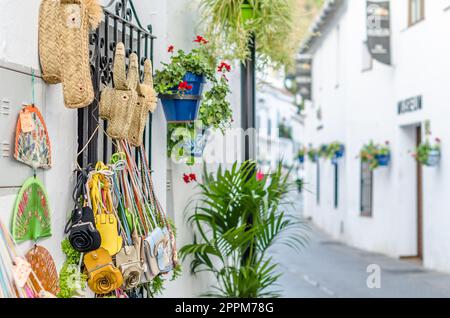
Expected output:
(419, 183)
(411, 194)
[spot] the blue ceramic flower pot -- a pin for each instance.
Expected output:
(196, 146)
(184, 107)
(301, 159)
(383, 160)
(434, 157)
(340, 153)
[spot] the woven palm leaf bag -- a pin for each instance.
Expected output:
(117, 104)
(64, 27)
(146, 102)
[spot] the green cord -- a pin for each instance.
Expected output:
(32, 88)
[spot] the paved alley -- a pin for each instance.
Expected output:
(329, 269)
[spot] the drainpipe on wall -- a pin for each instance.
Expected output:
(248, 93)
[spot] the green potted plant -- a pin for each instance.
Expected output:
(237, 216)
(335, 151)
(189, 120)
(180, 85)
(301, 155)
(313, 154)
(323, 151)
(376, 155)
(428, 154)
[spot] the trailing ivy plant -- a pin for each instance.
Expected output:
(272, 26)
(71, 281)
(237, 216)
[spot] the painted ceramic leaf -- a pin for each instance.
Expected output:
(31, 216)
(44, 268)
(33, 147)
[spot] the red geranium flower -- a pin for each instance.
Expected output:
(170, 49)
(186, 178)
(259, 176)
(193, 177)
(200, 39)
(184, 86)
(224, 67)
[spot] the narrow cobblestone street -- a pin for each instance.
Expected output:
(329, 269)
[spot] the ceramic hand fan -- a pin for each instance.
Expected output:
(45, 270)
(31, 215)
(32, 144)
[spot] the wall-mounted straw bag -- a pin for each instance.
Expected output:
(49, 46)
(64, 27)
(117, 104)
(147, 102)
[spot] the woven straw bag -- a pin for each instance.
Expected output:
(147, 101)
(117, 104)
(49, 47)
(64, 27)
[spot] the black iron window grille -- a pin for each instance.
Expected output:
(366, 190)
(121, 24)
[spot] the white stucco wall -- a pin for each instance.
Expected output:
(363, 107)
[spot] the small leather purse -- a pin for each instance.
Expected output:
(83, 235)
(158, 252)
(129, 262)
(81, 230)
(105, 220)
(103, 276)
(108, 227)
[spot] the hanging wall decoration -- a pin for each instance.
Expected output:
(31, 215)
(44, 268)
(32, 143)
(64, 47)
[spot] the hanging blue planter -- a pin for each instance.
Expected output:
(383, 160)
(340, 153)
(434, 157)
(184, 107)
(301, 159)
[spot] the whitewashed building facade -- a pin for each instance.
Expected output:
(275, 109)
(356, 99)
